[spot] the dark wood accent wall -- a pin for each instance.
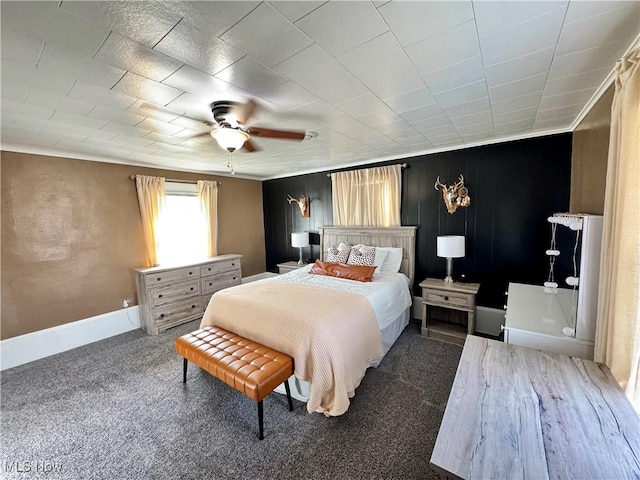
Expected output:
(513, 186)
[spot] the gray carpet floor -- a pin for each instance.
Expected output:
(117, 409)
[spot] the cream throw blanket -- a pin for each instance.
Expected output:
(332, 335)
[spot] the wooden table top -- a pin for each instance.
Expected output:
(516, 412)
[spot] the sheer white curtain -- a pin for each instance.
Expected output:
(208, 193)
(618, 324)
(367, 198)
(151, 196)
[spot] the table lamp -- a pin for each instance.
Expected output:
(450, 247)
(300, 240)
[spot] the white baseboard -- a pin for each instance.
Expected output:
(43, 343)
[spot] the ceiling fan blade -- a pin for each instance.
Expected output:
(249, 146)
(268, 133)
(198, 135)
(243, 112)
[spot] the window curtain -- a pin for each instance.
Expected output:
(618, 325)
(208, 193)
(368, 197)
(151, 193)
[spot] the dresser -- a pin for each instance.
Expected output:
(169, 296)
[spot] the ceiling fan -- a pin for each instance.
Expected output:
(232, 131)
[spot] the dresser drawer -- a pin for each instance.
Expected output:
(218, 282)
(447, 299)
(177, 311)
(219, 267)
(170, 293)
(172, 276)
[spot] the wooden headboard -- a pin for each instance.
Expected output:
(404, 237)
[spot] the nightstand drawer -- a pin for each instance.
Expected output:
(170, 293)
(446, 299)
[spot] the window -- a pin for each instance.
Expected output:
(182, 228)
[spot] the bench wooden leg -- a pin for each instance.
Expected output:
(260, 421)
(184, 371)
(286, 387)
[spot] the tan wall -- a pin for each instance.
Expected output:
(589, 158)
(71, 234)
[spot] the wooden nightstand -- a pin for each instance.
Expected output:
(287, 267)
(456, 296)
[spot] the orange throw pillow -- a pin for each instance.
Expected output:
(361, 273)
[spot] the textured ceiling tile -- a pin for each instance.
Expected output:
(521, 67)
(554, 123)
(458, 96)
(518, 88)
(58, 102)
(135, 57)
(289, 95)
(415, 21)
(340, 26)
(136, 86)
(267, 36)
(295, 10)
(579, 97)
(449, 47)
(432, 122)
(101, 96)
(144, 22)
(410, 101)
(582, 10)
(585, 60)
(559, 112)
(576, 82)
(516, 115)
(18, 47)
(198, 48)
(79, 120)
(159, 127)
(114, 115)
(423, 112)
(463, 109)
(521, 39)
(215, 17)
(14, 73)
(475, 129)
(494, 17)
(251, 76)
(125, 130)
(517, 103)
(473, 119)
(54, 25)
(321, 74)
(456, 75)
(382, 54)
(612, 25)
(192, 80)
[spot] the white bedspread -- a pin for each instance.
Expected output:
(388, 292)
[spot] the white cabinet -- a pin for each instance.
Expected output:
(560, 320)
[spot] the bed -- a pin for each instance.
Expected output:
(333, 328)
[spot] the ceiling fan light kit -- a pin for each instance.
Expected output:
(231, 139)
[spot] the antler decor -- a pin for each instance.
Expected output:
(455, 195)
(303, 204)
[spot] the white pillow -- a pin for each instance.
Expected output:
(393, 261)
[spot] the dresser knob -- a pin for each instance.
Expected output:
(191, 288)
(160, 296)
(446, 298)
(210, 283)
(234, 278)
(158, 278)
(502, 328)
(190, 273)
(209, 268)
(193, 306)
(162, 315)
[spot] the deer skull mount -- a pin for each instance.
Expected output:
(455, 195)
(302, 202)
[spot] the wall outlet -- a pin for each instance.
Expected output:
(125, 303)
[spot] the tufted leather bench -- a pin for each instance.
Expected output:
(249, 367)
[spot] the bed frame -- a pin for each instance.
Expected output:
(404, 237)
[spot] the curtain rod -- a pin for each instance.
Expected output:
(133, 177)
(403, 165)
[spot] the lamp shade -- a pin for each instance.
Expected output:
(300, 239)
(451, 246)
(230, 138)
